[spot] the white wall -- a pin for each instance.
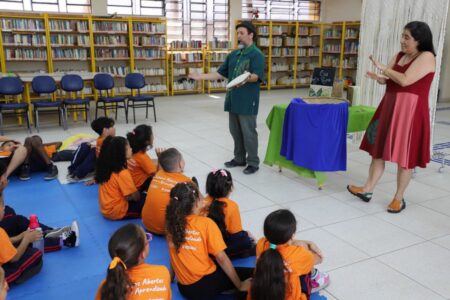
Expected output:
(341, 10)
(235, 14)
(99, 7)
(444, 83)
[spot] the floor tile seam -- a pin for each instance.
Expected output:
(413, 233)
(410, 278)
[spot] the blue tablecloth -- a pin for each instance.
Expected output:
(314, 135)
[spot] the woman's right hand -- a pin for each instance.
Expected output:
(375, 76)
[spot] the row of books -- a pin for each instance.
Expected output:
(288, 41)
(277, 42)
(24, 39)
(179, 72)
(149, 53)
(69, 40)
(350, 63)
(217, 56)
(115, 70)
(149, 27)
(332, 33)
(218, 84)
(281, 67)
(351, 33)
(304, 66)
(305, 41)
(186, 44)
(110, 40)
(263, 42)
(330, 61)
(70, 53)
(187, 57)
(289, 80)
(351, 47)
(154, 87)
(68, 25)
(152, 71)
(149, 40)
(23, 24)
(185, 84)
(112, 53)
(110, 26)
(263, 30)
(216, 44)
(28, 54)
(331, 48)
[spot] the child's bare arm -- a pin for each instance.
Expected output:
(16, 239)
(29, 237)
(311, 246)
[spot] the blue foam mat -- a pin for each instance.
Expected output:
(73, 274)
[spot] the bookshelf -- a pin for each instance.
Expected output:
(150, 53)
(283, 59)
(350, 53)
(264, 43)
(332, 46)
(308, 52)
(216, 53)
(186, 57)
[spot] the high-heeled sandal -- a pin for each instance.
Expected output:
(358, 192)
(396, 206)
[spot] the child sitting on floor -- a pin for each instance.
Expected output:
(83, 162)
(196, 249)
(154, 211)
(225, 213)
(141, 166)
(118, 196)
(128, 276)
(3, 285)
(285, 267)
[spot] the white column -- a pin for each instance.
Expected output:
(235, 14)
(444, 81)
(99, 7)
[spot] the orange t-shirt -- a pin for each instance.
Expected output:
(142, 168)
(192, 262)
(158, 197)
(7, 249)
(111, 195)
(297, 261)
(98, 146)
(231, 212)
(150, 282)
(50, 150)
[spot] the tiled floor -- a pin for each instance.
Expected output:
(369, 253)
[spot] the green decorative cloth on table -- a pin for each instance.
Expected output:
(358, 120)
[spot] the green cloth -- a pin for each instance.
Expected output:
(245, 99)
(358, 120)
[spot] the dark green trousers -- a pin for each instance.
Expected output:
(245, 136)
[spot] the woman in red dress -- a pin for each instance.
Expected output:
(400, 129)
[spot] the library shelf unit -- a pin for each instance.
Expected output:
(283, 44)
(349, 60)
(185, 58)
(215, 55)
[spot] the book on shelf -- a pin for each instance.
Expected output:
(25, 54)
(331, 48)
(70, 53)
(68, 25)
(288, 41)
(315, 30)
(110, 26)
(263, 30)
(23, 24)
(186, 57)
(186, 44)
(352, 33)
(280, 67)
(218, 84)
(263, 42)
(330, 61)
(217, 56)
(24, 39)
(110, 40)
(351, 47)
(152, 71)
(277, 41)
(111, 53)
(185, 84)
(305, 41)
(114, 70)
(159, 28)
(179, 71)
(313, 51)
(303, 30)
(216, 44)
(288, 52)
(69, 40)
(149, 41)
(149, 53)
(333, 33)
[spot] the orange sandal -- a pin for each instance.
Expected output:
(396, 206)
(358, 192)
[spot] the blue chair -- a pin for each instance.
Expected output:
(45, 84)
(104, 83)
(136, 81)
(12, 87)
(73, 84)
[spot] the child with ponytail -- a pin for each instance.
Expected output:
(128, 276)
(193, 240)
(285, 267)
(118, 196)
(225, 213)
(141, 166)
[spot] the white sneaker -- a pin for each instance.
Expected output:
(57, 232)
(71, 238)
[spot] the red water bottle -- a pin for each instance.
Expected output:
(34, 225)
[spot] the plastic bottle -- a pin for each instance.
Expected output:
(34, 225)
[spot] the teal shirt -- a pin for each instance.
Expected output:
(245, 99)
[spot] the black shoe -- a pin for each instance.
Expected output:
(52, 172)
(250, 170)
(25, 172)
(232, 163)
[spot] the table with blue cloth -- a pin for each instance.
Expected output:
(315, 141)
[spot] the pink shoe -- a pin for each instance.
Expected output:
(319, 281)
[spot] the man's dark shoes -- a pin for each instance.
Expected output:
(250, 170)
(232, 163)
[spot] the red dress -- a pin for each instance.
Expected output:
(400, 129)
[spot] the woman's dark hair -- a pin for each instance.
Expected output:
(127, 243)
(218, 185)
(101, 123)
(140, 138)
(182, 200)
(112, 158)
(421, 32)
(269, 281)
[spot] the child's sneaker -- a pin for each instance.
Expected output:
(71, 238)
(57, 232)
(319, 280)
(52, 172)
(24, 172)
